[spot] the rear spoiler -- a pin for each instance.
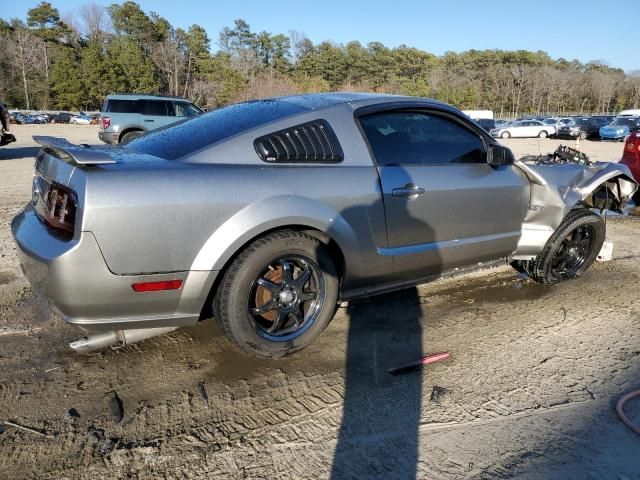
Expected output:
(79, 154)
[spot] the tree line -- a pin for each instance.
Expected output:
(51, 62)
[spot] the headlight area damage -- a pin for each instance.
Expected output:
(565, 180)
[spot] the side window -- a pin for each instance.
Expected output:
(185, 109)
(416, 138)
(155, 107)
(123, 106)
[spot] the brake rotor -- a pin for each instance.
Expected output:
(264, 296)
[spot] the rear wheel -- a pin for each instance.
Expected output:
(129, 136)
(583, 135)
(278, 295)
(505, 135)
(569, 252)
(543, 134)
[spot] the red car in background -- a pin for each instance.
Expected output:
(631, 158)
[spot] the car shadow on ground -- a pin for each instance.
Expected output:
(16, 153)
(379, 432)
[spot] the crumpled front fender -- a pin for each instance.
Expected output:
(610, 188)
(557, 189)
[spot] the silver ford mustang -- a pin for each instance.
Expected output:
(265, 214)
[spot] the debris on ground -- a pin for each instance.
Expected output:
(115, 406)
(606, 252)
(439, 394)
(104, 444)
(203, 394)
(410, 367)
(72, 414)
(35, 431)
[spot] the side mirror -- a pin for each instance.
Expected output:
(499, 155)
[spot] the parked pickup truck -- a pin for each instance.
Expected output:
(265, 214)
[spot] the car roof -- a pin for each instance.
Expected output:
(316, 101)
(141, 96)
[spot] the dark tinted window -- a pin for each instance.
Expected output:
(486, 123)
(155, 107)
(412, 138)
(187, 136)
(123, 106)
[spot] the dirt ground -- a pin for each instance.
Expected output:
(528, 392)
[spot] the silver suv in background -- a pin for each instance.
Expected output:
(128, 116)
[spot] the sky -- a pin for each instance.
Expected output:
(584, 29)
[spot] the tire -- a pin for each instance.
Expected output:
(583, 135)
(547, 267)
(505, 135)
(543, 134)
(241, 294)
(129, 136)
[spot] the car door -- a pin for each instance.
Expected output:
(156, 113)
(519, 130)
(533, 128)
(445, 206)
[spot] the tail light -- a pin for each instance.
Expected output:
(106, 121)
(55, 204)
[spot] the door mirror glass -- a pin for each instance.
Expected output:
(500, 155)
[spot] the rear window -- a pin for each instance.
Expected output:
(187, 136)
(123, 106)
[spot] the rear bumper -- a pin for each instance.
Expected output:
(108, 137)
(75, 279)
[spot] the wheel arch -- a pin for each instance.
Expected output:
(327, 240)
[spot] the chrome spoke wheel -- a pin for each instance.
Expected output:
(286, 297)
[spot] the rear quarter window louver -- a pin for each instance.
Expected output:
(313, 142)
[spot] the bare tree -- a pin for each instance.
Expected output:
(94, 22)
(23, 49)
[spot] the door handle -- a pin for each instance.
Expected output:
(148, 120)
(410, 190)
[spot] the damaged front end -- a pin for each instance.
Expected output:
(565, 180)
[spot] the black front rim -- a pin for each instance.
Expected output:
(286, 298)
(573, 252)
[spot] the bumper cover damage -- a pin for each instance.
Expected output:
(563, 181)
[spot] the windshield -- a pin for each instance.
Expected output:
(187, 136)
(624, 122)
(579, 121)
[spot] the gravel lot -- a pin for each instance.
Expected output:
(529, 390)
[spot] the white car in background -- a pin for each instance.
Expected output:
(81, 119)
(524, 128)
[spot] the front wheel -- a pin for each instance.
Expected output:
(505, 135)
(278, 295)
(543, 134)
(583, 135)
(570, 251)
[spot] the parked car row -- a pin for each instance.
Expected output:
(80, 118)
(602, 127)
